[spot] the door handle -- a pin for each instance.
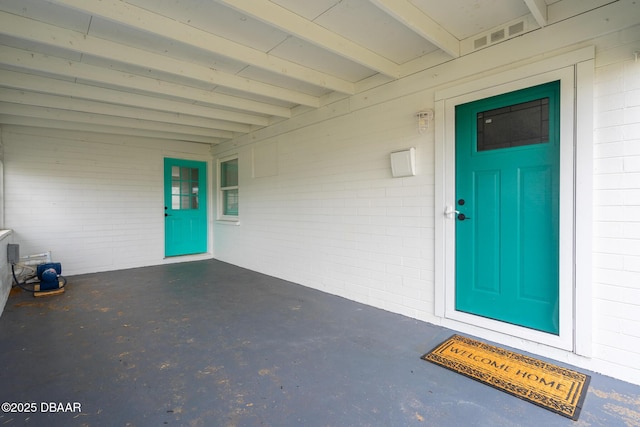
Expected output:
(449, 211)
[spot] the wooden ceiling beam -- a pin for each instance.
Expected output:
(49, 35)
(145, 20)
(414, 18)
(22, 110)
(80, 105)
(8, 119)
(70, 69)
(30, 82)
(538, 9)
(294, 24)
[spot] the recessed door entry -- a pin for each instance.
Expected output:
(507, 203)
(185, 207)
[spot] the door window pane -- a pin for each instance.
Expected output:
(514, 126)
(184, 188)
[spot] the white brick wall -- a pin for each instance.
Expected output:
(331, 217)
(6, 280)
(617, 204)
(96, 202)
(334, 219)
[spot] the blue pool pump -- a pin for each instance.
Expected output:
(48, 275)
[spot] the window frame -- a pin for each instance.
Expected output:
(222, 216)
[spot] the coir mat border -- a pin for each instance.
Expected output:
(552, 387)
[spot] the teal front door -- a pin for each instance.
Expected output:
(185, 207)
(507, 207)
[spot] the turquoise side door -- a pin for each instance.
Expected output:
(507, 198)
(185, 208)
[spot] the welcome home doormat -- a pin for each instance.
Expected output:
(552, 387)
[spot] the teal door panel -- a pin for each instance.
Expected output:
(185, 209)
(486, 229)
(507, 190)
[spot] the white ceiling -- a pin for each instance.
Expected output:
(207, 71)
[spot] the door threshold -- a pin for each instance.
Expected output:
(189, 257)
(501, 331)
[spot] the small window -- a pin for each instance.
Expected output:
(228, 194)
(185, 188)
(514, 125)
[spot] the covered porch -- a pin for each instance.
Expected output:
(208, 343)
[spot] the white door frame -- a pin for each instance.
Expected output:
(575, 196)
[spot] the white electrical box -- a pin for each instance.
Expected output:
(403, 163)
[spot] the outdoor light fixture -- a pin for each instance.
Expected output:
(424, 120)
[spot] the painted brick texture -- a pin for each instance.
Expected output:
(334, 218)
(330, 216)
(95, 202)
(6, 281)
(617, 203)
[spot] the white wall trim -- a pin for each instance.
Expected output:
(573, 334)
(6, 279)
(585, 72)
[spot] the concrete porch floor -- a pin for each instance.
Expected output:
(210, 344)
